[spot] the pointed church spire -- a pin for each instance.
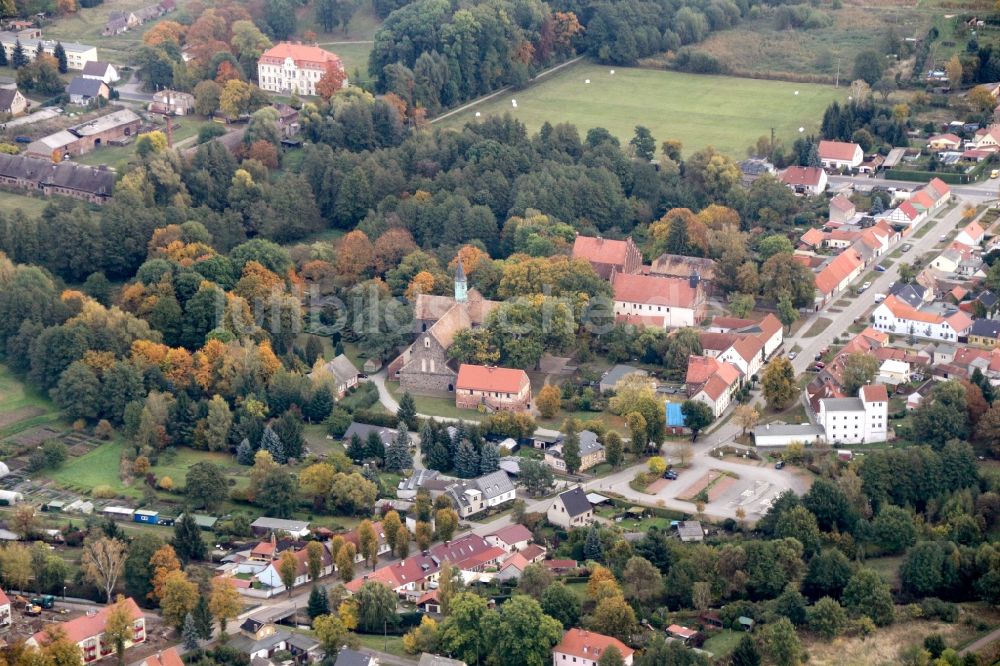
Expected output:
(461, 284)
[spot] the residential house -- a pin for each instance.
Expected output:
(944, 142)
(12, 102)
(294, 528)
(169, 657)
(424, 367)
(342, 371)
(805, 180)
(893, 372)
(840, 155)
(495, 389)
(746, 353)
(172, 102)
(836, 276)
(615, 374)
(77, 55)
(100, 70)
(658, 302)
(906, 214)
(512, 538)
(362, 430)
(752, 169)
(607, 255)
(259, 638)
(987, 139)
(912, 294)
(408, 578)
(985, 332)
(472, 496)
(571, 509)
(768, 329)
(712, 382)
(4, 609)
(470, 554)
(895, 316)
(972, 235)
(87, 632)
(348, 657)
(295, 68)
(842, 210)
(585, 648)
(82, 91)
(591, 453)
(382, 546)
(861, 420)
(271, 577)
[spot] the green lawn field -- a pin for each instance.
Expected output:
(31, 206)
(725, 112)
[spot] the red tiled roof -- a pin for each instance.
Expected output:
(719, 342)
(479, 559)
(806, 176)
(902, 310)
(837, 270)
(950, 138)
(516, 560)
(600, 250)
(700, 368)
(169, 657)
(974, 231)
(532, 552)
(89, 626)
(683, 632)
(874, 393)
(303, 55)
(590, 645)
(4, 600)
(837, 150)
(655, 290)
(922, 199)
(813, 237)
(909, 210)
(512, 534)
(940, 187)
(428, 596)
(483, 378)
(731, 322)
(842, 203)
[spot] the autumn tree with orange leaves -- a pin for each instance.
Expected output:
(332, 81)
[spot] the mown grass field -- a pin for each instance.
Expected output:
(20, 407)
(725, 112)
(32, 206)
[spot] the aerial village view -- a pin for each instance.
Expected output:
(500, 332)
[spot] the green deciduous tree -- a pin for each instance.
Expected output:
(520, 634)
(867, 594)
(778, 383)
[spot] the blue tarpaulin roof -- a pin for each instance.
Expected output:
(674, 416)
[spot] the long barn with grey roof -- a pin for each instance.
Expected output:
(93, 184)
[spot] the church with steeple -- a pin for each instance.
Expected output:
(424, 367)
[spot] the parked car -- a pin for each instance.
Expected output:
(943, 237)
(779, 465)
(864, 287)
(880, 268)
(907, 247)
(820, 365)
(792, 355)
(22, 139)
(670, 475)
